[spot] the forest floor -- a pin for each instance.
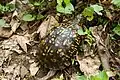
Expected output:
(20, 38)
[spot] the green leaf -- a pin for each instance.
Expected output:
(29, 17)
(37, 3)
(117, 30)
(88, 13)
(94, 78)
(7, 8)
(39, 16)
(59, 2)
(81, 77)
(73, 61)
(103, 75)
(10, 7)
(1, 7)
(80, 31)
(60, 8)
(97, 9)
(2, 22)
(59, 78)
(67, 1)
(69, 8)
(116, 2)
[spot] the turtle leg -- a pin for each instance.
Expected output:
(50, 74)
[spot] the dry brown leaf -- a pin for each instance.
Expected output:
(15, 13)
(89, 66)
(22, 41)
(10, 68)
(106, 2)
(14, 25)
(50, 21)
(11, 45)
(23, 71)
(3, 78)
(24, 26)
(5, 33)
(53, 21)
(33, 69)
(13, 2)
(103, 51)
(43, 28)
(109, 15)
(16, 73)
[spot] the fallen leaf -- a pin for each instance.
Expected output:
(106, 2)
(10, 68)
(89, 66)
(109, 15)
(24, 26)
(22, 41)
(33, 69)
(43, 28)
(3, 78)
(15, 13)
(5, 33)
(13, 2)
(14, 25)
(11, 45)
(46, 24)
(16, 72)
(53, 21)
(103, 51)
(23, 71)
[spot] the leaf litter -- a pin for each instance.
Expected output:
(17, 54)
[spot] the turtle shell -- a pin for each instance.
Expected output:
(58, 48)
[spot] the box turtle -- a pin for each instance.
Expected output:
(58, 48)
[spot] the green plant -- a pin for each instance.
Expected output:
(7, 8)
(89, 39)
(32, 17)
(116, 30)
(31, 14)
(38, 3)
(59, 78)
(97, 9)
(66, 9)
(89, 11)
(80, 31)
(29, 17)
(116, 2)
(2, 22)
(101, 76)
